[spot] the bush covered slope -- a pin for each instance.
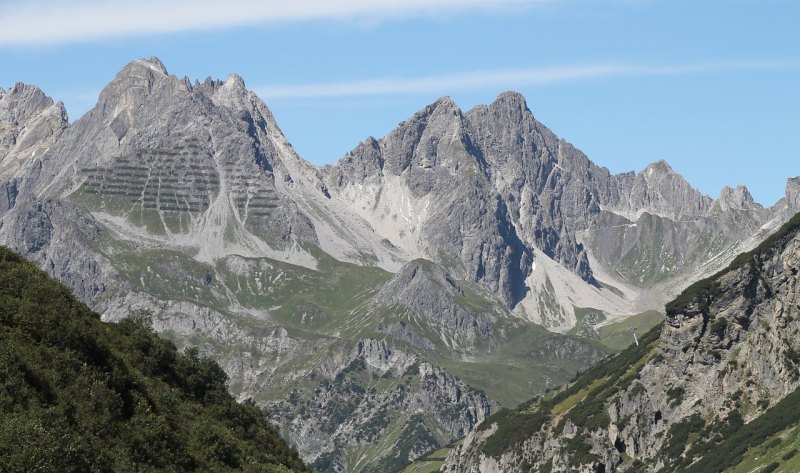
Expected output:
(78, 394)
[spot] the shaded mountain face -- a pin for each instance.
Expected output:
(413, 279)
(720, 378)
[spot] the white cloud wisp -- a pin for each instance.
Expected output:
(502, 79)
(48, 22)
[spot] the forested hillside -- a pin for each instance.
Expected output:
(78, 394)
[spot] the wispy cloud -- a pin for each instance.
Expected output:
(503, 79)
(48, 21)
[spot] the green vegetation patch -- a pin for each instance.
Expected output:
(619, 335)
(430, 463)
(79, 395)
(513, 427)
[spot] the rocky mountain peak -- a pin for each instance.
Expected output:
(511, 103)
(29, 123)
(153, 63)
(658, 168)
(235, 81)
(445, 103)
(793, 192)
(443, 114)
(232, 93)
(661, 191)
(735, 199)
(22, 102)
(421, 274)
(442, 111)
(428, 290)
(360, 164)
(429, 139)
(133, 84)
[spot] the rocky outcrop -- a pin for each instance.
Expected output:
(460, 318)
(372, 391)
(726, 353)
(63, 241)
(30, 122)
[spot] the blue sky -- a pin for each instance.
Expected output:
(711, 86)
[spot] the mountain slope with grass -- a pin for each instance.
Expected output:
(78, 394)
(714, 389)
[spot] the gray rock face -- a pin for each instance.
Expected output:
(723, 356)
(459, 317)
(63, 241)
(29, 122)
(793, 193)
(545, 181)
(8, 195)
(735, 199)
(356, 402)
(455, 217)
(658, 190)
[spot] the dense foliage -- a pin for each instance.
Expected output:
(80, 395)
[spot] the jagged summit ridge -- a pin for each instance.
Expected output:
(153, 63)
(30, 122)
(738, 198)
(551, 197)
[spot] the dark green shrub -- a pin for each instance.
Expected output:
(675, 395)
(77, 394)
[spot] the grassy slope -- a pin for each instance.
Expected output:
(78, 394)
(583, 401)
(780, 449)
(618, 336)
(331, 301)
(430, 463)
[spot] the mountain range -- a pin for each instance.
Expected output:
(382, 306)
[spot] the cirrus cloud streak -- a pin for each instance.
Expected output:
(55, 22)
(505, 78)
